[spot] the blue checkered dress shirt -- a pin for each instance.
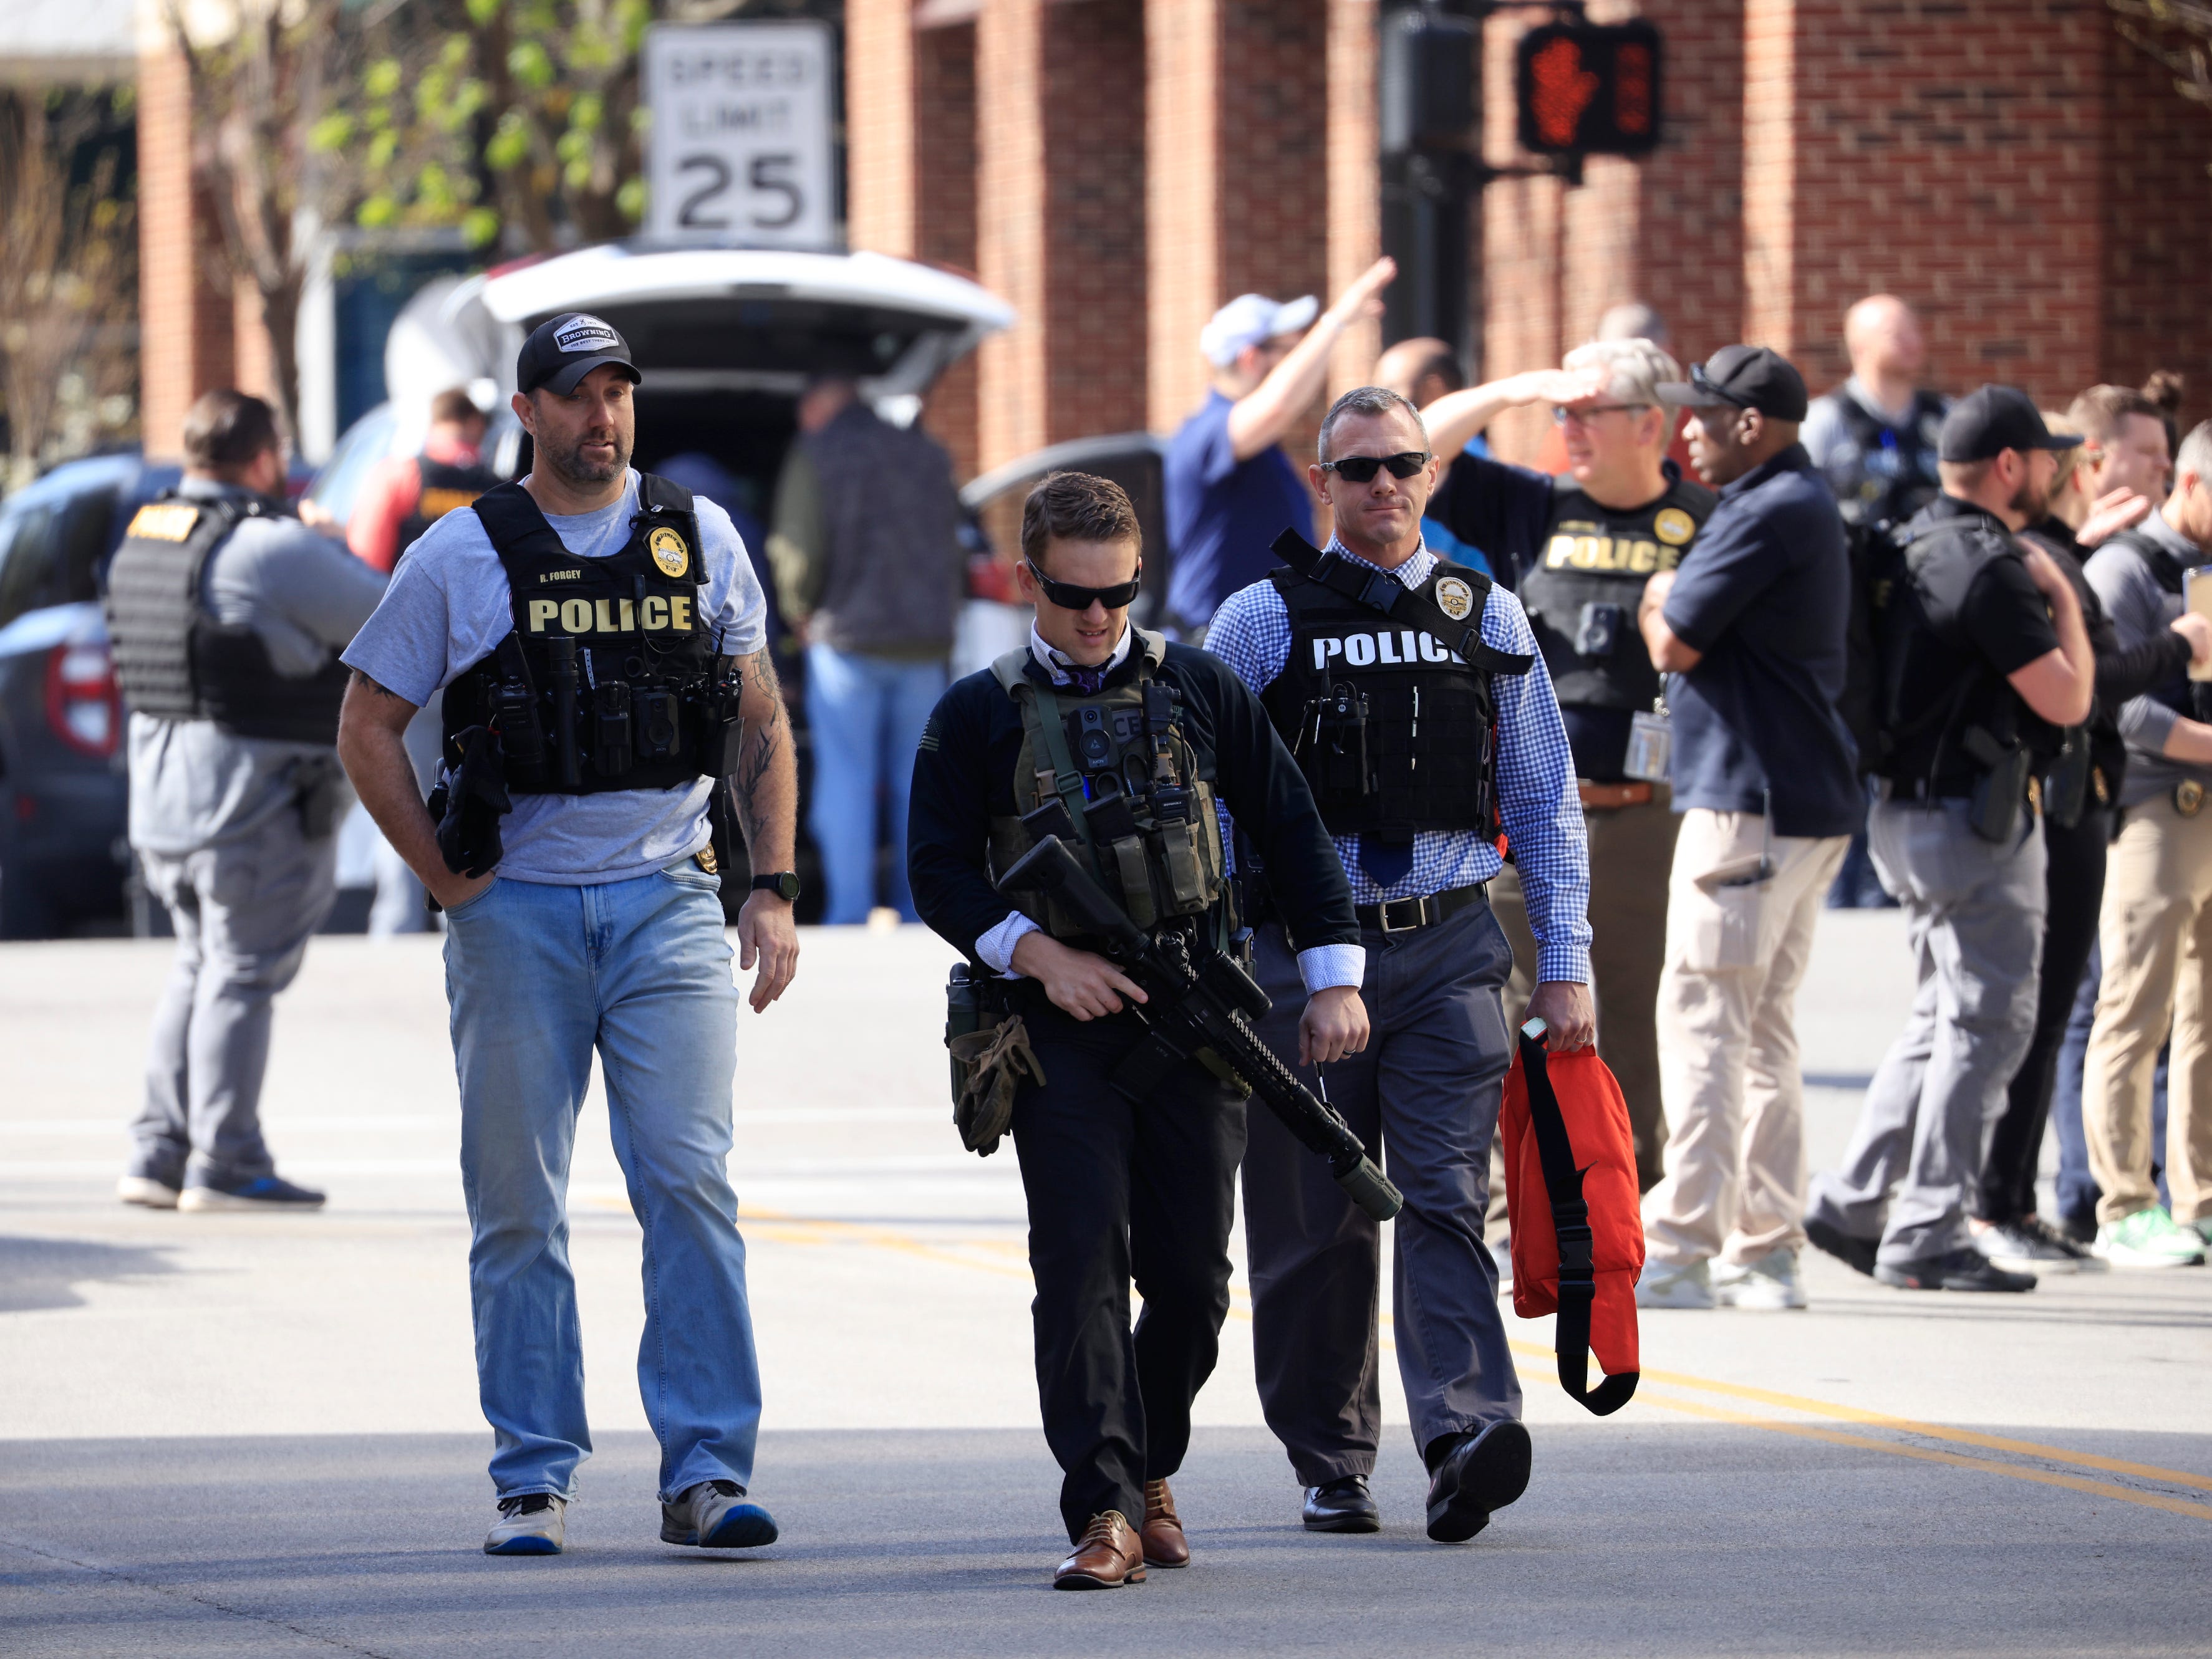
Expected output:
(1537, 796)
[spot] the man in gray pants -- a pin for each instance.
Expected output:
(226, 616)
(1985, 657)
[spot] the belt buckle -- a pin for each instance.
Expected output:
(1420, 915)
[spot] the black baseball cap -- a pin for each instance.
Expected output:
(561, 352)
(1989, 420)
(1749, 377)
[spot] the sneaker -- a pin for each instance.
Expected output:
(529, 1525)
(714, 1515)
(1663, 1286)
(2149, 1238)
(145, 1189)
(1770, 1284)
(2203, 1226)
(1857, 1254)
(2080, 1228)
(1959, 1269)
(259, 1192)
(2028, 1245)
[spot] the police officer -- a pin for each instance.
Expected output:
(1419, 757)
(1985, 658)
(1875, 438)
(1583, 545)
(1126, 743)
(225, 614)
(598, 635)
(403, 497)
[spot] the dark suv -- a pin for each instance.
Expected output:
(64, 794)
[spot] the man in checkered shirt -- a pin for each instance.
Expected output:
(1393, 730)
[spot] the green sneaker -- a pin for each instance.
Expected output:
(2150, 1238)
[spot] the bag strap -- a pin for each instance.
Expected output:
(1379, 591)
(1563, 1186)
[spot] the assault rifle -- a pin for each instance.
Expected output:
(1192, 1009)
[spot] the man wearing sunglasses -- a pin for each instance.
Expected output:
(1421, 744)
(1120, 743)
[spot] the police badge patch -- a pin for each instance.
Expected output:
(1454, 599)
(1673, 526)
(669, 551)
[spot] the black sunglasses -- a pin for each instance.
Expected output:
(1362, 468)
(1068, 596)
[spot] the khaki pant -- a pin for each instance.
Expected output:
(1737, 943)
(1630, 850)
(2156, 935)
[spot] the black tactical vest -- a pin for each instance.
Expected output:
(445, 488)
(1395, 732)
(1886, 473)
(610, 679)
(175, 661)
(1582, 591)
(2178, 691)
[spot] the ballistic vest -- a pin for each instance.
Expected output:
(175, 661)
(2178, 691)
(1582, 591)
(445, 488)
(1882, 472)
(1395, 732)
(610, 679)
(1117, 765)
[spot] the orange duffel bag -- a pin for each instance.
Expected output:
(1571, 1200)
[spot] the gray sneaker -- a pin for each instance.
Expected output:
(1770, 1284)
(1666, 1285)
(714, 1514)
(2028, 1246)
(531, 1524)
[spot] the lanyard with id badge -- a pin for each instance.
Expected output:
(1650, 744)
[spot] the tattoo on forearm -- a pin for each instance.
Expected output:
(367, 684)
(763, 745)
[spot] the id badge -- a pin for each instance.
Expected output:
(1650, 747)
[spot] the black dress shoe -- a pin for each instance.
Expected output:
(1857, 1254)
(1483, 1473)
(1342, 1505)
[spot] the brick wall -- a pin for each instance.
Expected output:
(185, 320)
(1183, 52)
(944, 118)
(1355, 217)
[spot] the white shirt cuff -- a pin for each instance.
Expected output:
(996, 947)
(1327, 966)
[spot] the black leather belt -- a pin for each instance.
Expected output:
(1422, 911)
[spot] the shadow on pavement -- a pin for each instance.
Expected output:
(44, 1273)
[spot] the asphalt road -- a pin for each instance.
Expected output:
(253, 1435)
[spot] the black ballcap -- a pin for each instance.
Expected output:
(1989, 420)
(1748, 377)
(561, 352)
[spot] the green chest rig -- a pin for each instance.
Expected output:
(1113, 774)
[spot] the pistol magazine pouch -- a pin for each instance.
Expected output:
(1577, 1228)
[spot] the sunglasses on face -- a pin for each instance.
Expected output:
(1068, 596)
(1362, 468)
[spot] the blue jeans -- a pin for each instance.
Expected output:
(865, 716)
(539, 976)
(2078, 1191)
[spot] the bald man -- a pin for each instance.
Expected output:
(1420, 371)
(1874, 437)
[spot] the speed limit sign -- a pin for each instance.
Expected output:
(739, 149)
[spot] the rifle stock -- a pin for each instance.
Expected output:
(1190, 1010)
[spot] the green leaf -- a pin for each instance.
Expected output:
(382, 78)
(455, 52)
(510, 143)
(578, 174)
(331, 134)
(587, 112)
(629, 199)
(480, 12)
(379, 212)
(530, 63)
(479, 226)
(382, 149)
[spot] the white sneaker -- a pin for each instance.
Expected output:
(1664, 1286)
(1770, 1284)
(145, 1189)
(529, 1525)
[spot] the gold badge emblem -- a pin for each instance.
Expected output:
(1673, 526)
(2189, 797)
(706, 857)
(669, 552)
(1454, 599)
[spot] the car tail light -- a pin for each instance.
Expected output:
(990, 578)
(84, 705)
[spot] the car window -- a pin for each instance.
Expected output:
(338, 485)
(26, 575)
(84, 543)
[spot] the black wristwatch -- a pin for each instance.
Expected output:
(783, 883)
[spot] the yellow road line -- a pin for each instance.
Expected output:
(1982, 1465)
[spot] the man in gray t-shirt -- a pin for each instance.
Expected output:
(598, 636)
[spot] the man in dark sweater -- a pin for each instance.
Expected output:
(1076, 725)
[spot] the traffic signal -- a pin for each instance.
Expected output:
(1588, 89)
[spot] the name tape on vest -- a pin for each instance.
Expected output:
(658, 612)
(164, 521)
(1403, 648)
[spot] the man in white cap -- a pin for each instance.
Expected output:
(1231, 490)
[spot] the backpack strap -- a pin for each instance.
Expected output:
(1379, 591)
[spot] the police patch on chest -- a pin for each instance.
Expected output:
(1673, 526)
(1388, 648)
(669, 552)
(1456, 598)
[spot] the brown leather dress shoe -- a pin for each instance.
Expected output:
(1164, 1544)
(1110, 1556)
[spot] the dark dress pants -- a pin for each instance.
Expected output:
(2074, 881)
(1118, 1191)
(1425, 1093)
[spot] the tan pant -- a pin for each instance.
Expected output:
(1630, 849)
(1737, 949)
(2156, 934)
